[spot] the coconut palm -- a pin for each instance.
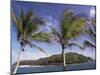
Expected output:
(91, 31)
(28, 25)
(70, 28)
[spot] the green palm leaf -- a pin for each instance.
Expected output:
(71, 27)
(88, 44)
(43, 37)
(17, 21)
(39, 48)
(91, 31)
(70, 45)
(76, 27)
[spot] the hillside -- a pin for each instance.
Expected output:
(71, 58)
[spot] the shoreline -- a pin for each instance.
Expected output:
(54, 65)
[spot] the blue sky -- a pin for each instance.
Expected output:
(52, 13)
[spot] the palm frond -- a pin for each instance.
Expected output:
(56, 34)
(65, 23)
(27, 23)
(43, 37)
(76, 27)
(88, 44)
(91, 33)
(71, 25)
(38, 20)
(22, 15)
(34, 25)
(70, 45)
(16, 21)
(93, 21)
(40, 49)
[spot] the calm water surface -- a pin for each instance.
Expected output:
(71, 67)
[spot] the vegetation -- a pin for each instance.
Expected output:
(71, 28)
(28, 25)
(71, 58)
(91, 31)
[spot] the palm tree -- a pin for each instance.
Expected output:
(91, 31)
(70, 28)
(28, 25)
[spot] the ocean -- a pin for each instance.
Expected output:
(56, 68)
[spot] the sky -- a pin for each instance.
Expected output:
(52, 14)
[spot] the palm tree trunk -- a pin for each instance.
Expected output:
(63, 58)
(18, 62)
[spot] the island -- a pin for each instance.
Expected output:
(71, 58)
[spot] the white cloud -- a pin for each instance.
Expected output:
(92, 12)
(50, 21)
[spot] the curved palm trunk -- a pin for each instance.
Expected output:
(18, 61)
(63, 58)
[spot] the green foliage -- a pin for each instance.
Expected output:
(89, 44)
(71, 58)
(71, 28)
(71, 25)
(43, 37)
(91, 31)
(28, 25)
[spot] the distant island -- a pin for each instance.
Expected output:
(71, 58)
